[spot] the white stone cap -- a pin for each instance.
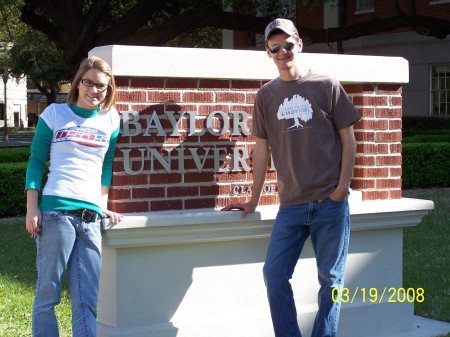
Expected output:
(209, 225)
(138, 61)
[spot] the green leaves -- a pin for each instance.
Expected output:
(426, 165)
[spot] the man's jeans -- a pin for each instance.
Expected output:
(66, 242)
(328, 223)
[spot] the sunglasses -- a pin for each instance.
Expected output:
(100, 86)
(288, 46)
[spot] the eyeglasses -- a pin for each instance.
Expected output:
(100, 86)
(288, 46)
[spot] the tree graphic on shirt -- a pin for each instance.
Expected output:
(297, 108)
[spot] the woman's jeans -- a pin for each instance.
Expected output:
(67, 243)
(328, 223)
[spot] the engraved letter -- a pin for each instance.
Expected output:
(133, 121)
(210, 126)
(127, 161)
(192, 130)
(220, 159)
(239, 156)
(175, 122)
(199, 164)
(157, 124)
(165, 163)
(238, 123)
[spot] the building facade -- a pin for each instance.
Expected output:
(428, 91)
(37, 101)
(15, 95)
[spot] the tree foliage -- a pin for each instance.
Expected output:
(29, 52)
(77, 26)
(74, 27)
(34, 55)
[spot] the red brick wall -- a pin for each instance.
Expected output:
(378, 171)
(176, 181)
(243, 40)
(309, 16)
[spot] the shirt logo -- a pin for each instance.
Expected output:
(82, 135)
(297, 108)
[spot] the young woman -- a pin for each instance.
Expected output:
(80, 136)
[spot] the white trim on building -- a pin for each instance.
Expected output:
(16, 100)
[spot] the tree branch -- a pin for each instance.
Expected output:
(87, 29)
(159, 34)
(424, 25)
(133, 20)
(38, 22)
(193, 19)
(142, 25)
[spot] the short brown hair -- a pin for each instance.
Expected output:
(99, 65)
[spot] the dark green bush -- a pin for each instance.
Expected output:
(412, 133)
(426, 165)
(428, 138)
(411, 123)
(14, 154)
(12, 195)
(13, 168)
(426, 152)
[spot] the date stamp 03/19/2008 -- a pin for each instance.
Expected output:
(375, 295)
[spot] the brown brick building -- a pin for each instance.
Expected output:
(428, 91)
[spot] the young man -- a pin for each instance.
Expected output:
(305, 120)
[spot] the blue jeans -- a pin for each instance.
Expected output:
(67, 243)
(328, 223)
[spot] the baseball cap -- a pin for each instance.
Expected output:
(285, 25)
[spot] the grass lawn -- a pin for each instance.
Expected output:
(426, 265)
(17, 282)
(426, 255)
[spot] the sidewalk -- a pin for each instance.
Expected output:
(15, 140)
(424, 327)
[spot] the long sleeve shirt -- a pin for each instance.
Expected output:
(81, 145)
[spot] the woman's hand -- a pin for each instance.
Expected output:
(113, 216)
(33, 221)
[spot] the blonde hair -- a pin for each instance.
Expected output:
(99, 65)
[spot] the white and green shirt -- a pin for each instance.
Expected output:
(81, 145)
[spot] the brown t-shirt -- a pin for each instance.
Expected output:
(300, 119)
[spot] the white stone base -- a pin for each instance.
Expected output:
(199, 274)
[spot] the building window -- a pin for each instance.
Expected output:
(365, 6)
(440, 89)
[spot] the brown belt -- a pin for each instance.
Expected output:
(85, 215)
